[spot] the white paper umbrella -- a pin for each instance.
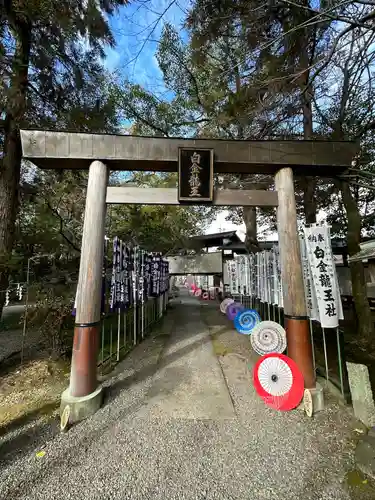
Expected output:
(225, 303)
(268, 337)
(275, 376)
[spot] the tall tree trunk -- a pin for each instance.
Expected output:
(308, 183)
(10, 166)
(357, 272)
(250, 217)
(250, 220)
(249, 213)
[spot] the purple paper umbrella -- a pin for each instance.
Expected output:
(234, 309)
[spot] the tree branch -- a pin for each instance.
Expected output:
(61, 232)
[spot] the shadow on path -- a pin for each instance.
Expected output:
(117, 387)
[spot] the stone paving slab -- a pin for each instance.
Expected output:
(190, 385)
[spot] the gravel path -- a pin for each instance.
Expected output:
(181, 424)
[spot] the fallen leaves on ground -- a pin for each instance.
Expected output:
(36, 387)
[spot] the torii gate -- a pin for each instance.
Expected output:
(101, 152)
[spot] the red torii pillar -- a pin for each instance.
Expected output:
(83, 396)
(295, 313)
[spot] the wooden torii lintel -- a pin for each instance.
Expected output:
(67, 150)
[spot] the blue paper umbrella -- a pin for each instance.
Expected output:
(245, 321)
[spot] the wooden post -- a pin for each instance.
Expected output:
(296, 319)
(83, 380)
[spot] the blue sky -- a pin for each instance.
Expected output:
(137, 29)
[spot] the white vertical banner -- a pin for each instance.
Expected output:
(252, 284)
(276, 288)
(241, 274)
(323, 273)
(238, 272)
(271, 282)
(266, 278)
(247, 275)
(232, 271)
(270, 276)
(257, 277)
(264, 275)
(310, 296)
(260, 276)
(229, 275)
(280, 281)
(253, 276)
(340, 309)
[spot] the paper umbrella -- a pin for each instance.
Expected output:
(233, 309)
(268, 337)
(278, 381)
(225, 303)
(245, 321)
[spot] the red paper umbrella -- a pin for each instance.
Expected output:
(278, 381)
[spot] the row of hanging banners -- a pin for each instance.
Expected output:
(259, 276)
(136, 276)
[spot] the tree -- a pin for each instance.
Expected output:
(297, 47)
(47, 72)
(351, 116)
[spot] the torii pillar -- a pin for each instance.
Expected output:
(83, 396)
(295, 313)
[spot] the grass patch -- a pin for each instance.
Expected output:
(220, 349)
(360, 486)
(33, 391)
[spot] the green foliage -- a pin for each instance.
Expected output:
(157, 228)
(66, 81)
(150, 116)
(67, 88)
(52, 317)
(51, 76)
